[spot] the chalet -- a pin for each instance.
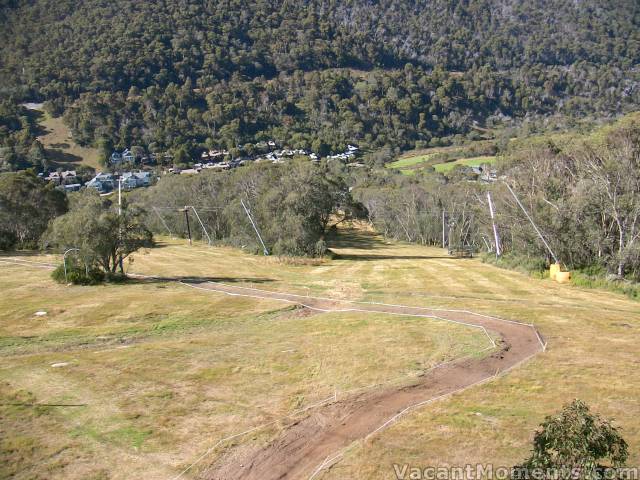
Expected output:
(131, 180)
(53, 177)
(217, 154)
(60, 178)
(69, 176)
(127, 156)
(116, 158)
(102, 182)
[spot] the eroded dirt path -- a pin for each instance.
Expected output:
(308, 445)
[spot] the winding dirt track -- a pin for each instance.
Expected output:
(309, 445)
(315, 442)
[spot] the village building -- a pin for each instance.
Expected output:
(131, 180)
(102, 182)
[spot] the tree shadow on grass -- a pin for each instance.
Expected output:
(196, 279)
(365, 257)
(61, 158)
(353, 238)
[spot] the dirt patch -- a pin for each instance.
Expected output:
(298, 311)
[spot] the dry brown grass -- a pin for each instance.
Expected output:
(152, 373)
(198, 366)
(61, 148)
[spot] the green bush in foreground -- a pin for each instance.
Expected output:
(575, 442)
(79, 275)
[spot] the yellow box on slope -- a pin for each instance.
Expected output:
(554, 268)
(563, 277)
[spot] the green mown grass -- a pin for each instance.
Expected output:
(468, 162)
(409, 161)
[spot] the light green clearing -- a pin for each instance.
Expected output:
(469, 162)
(410, 161)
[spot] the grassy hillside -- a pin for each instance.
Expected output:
(60, 147)
(467, 162)
(145, 376)
(444, 159)
(160, 372)
(188, 75)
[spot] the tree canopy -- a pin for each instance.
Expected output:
(103, 236)
(293, 206)
(185, 75)
(27, 204)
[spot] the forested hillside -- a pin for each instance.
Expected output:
(181, 75)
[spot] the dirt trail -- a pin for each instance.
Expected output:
(310, 444)
(315, 442)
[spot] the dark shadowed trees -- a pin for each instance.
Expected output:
(27, 204)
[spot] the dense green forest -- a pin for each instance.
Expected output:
(180, 76)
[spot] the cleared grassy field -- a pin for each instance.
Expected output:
(403, 163)
(468, 162)
(412, 162)
(60, 147)
(162, 371)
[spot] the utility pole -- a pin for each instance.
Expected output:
(264, 247)
(535, 227)
(495, 228)
(119, 195)
(186, 216)
(120, 219)
(444, 241)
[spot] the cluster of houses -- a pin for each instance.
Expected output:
(102, 182)
(67, 180)
(219, 159)
(279, 156)
(107, 182)
(198, 167)
(214, 155)
(349, 154)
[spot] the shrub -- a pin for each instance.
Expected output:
(534, 266)
(78, 275)
(573, 443)
(320, 248)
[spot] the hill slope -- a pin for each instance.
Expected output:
(223, 73)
